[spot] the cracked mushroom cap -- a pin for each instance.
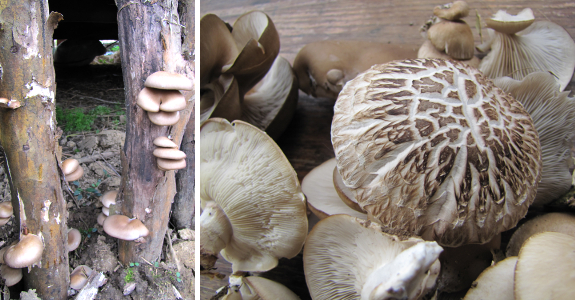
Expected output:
(255, 212)
(26, 252)
(124, 228)
(543, 46)
(433, 148)
(540, 95)
(546, 267)
(321, 195)
(362, 261)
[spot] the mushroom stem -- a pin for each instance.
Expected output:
(405, 274)
(216, 230)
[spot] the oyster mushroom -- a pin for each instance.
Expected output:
(542, 46)
(254, 287)
(254, 211)
(454, 38)
(495, 282)
(433, 148)
(6, 212)
(360, 261)
(540, 95)
(324, 67)
(25, 253)
(452, 11)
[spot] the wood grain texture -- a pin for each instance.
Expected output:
(306, 141)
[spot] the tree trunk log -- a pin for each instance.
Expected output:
(28, 136)
(183, 209)
(150, 41)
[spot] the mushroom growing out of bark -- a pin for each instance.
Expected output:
(26, 252)
(324, 67)
(348, 258)
(167, 154)
(7, 103)
(72, 169)
(541, 96)
(431, 147)
(254, 211)
(545, 267)
(6, 212)
(519, 48)
(124, 228)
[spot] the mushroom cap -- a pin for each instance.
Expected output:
(169, 81)
(26, 252)
(124, 228)
(244, 171)
(101, 218)
(11, 276)
(106, 211)
(79, 277)
(74, 239)
(70, 165)
(218, 50)
(546, 267)
(165, 142)
(555, 222)
(169, 153)
(75, 175)
(510, 24)
(255, 287)
(324, 67)
(454, 38)
(154, 100)
(543, 46)
(271, 103)
(539, 93)
(4, 221)
(322, 197)
(432, 147)
(164, 118)
(109, 198)
(495, 282)
(427, 50)
(6, 210)
(170, 164)
(452, 11)
(361, 260)
(344, 192)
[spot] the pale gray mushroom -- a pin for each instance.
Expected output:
(255, 212)
(11, 276)
(433, 148)
(546, 267)
(553, 114)
(542, 46)
(495, 282)
(320, 192)
(348, 258)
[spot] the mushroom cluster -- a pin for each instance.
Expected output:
(72, 169)
(124, 228)
(161, 97)
(431, 147)
(241, 75)
(449, 37)
(24, 253)
(168, 156)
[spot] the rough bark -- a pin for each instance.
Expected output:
(28, 136)
(150, 41)
(183, 208)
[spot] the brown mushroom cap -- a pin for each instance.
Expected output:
(74, 239)
(101, 218)
(109, 198)
(455, 38)
(427, 50)
(164, 118)
(11, 276)
(452, 11)
(169, 153)
(77, 174)
(124, 228)
(26, 252)
(170, 164)
(169, 81)
(70, 165)
(165, 142)
(6, 210)
(79, 277)
(324, 67)
(432, 147)
(495, 282)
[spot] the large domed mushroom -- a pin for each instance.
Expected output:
(432, 147)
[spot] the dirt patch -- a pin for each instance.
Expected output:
(94, 95)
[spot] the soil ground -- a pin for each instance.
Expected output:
(101, 87)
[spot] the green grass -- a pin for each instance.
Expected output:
(77, 119)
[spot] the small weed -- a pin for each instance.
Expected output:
(129, 275)
(92, 190)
